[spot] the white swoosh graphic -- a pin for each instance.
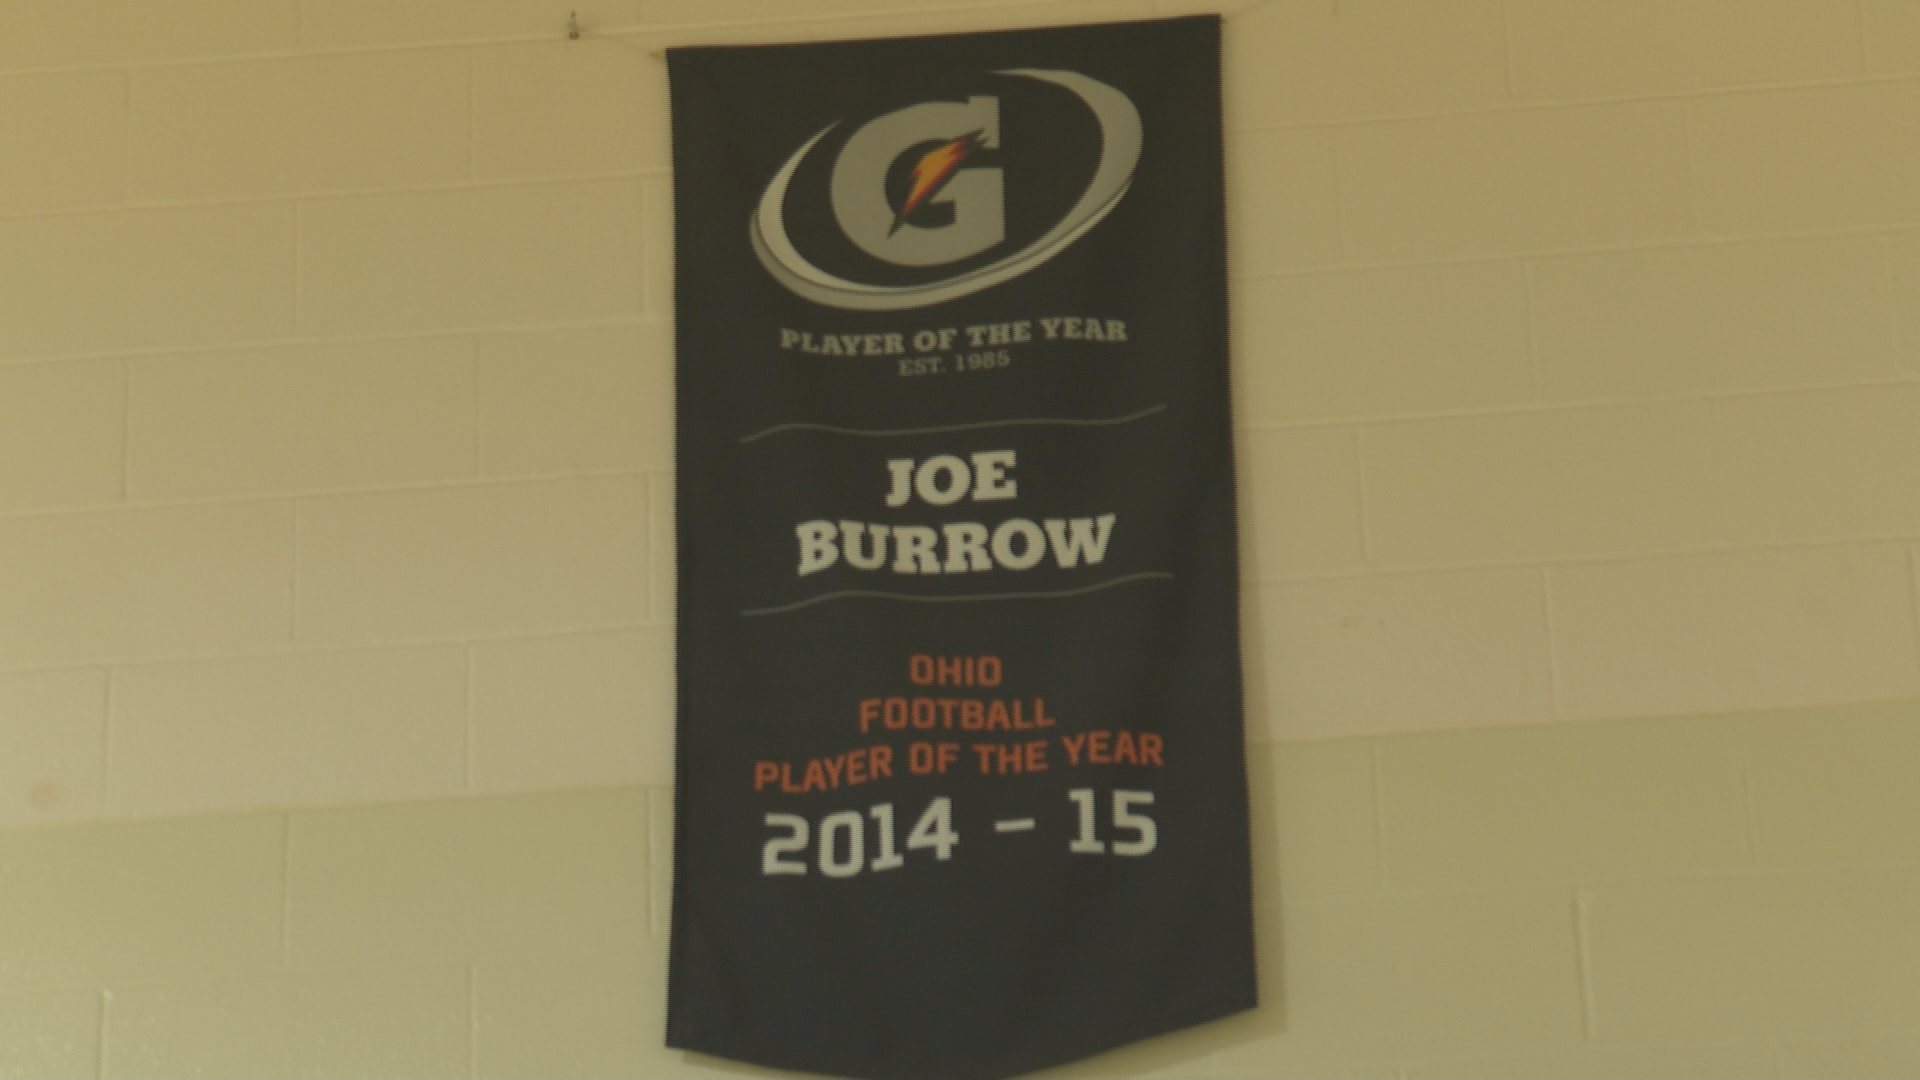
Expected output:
(1120, 138)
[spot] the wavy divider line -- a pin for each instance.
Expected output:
(1150, 575)
(778, 429)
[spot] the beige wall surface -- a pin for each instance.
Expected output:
(1577, 375)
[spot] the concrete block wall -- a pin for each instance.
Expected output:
(1577, 362)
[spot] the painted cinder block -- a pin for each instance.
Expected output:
(718, 11)
(145, 583)
(1824, 157)
(50, 1032)
(62, 435)
(1282, 204)
(1833, 785)
(1315, 828)
(1227, 8)
(297, 124)
(571, 711)
(1567, 49)
(661, 565)
(514, 255)
(989, 16)
(1716, 319)
(1186, 1054)
(1825, 465)
(335, 24)
(1349, 656)
(1562, 803)
(1300, 503)
(567, 108)
(600, 1014)
(1750, 1059)
(385, 1021)
(1321, 60)
(1890, 34)
(655, 38)
(314, 729)
(140, 279)
(1374, 979)
(95, 904)
(1515, 181)
(1740, 630)
(564, 402)
(1903, 261)
(659, 861)
(656, 228)
(1724, 957)
(1894, 1054)
(301, 418)
(483, 561)
(54, 726)
(1542, 485)
(1277, 1057)
(87, 33)
(62, 140)
(467, 880)
(1321, 347)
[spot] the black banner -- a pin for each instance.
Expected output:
(960, 781)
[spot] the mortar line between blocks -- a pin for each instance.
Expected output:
(337, 647)
(448, 187)
(1602, 101)
(288, 341)
(1595, 404)
(302, 49)
(258, 498)
(1678, 242)
(1570, 560)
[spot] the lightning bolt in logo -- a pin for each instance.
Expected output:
(932, 171)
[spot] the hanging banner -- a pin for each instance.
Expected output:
(961, 787)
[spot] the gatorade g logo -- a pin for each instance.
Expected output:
(922, 188)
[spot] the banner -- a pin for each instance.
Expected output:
(961, 788)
